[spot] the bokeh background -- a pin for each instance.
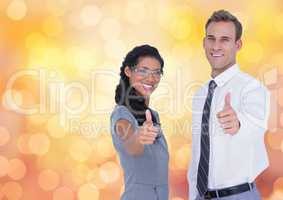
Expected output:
(59, 65)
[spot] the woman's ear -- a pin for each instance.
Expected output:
(128, 71)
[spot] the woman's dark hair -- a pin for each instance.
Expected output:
(125, 94)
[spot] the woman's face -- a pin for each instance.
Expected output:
(145, 76)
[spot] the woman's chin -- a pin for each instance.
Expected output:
(145, 93)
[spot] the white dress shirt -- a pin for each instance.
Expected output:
(239, 158)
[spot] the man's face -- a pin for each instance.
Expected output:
(221, 46)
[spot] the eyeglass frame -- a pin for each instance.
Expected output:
(148, 72)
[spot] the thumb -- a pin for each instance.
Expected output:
(227, 100)
(148, 116)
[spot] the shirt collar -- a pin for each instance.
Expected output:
(225, 76)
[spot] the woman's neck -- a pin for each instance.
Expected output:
(147, 101)
(146, 98)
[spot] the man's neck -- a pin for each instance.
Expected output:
(216, 72)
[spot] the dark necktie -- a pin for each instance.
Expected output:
(203, 167)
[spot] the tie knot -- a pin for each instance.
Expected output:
(212, 85)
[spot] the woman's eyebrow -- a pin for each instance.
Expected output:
(144, 67)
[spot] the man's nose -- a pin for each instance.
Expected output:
(216, 45)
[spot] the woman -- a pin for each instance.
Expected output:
(135, 128)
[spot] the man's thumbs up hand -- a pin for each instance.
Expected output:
(227, 101)
(228, 117)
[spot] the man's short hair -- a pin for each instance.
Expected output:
(225, 16)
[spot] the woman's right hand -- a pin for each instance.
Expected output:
(134, 140)
(147, 133)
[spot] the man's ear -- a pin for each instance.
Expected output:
(128, 71)
(239, 44)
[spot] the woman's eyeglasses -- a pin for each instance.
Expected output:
(147, 72)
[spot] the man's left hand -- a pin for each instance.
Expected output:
(228, 117)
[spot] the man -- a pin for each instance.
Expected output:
(229, 120)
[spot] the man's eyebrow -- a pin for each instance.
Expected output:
(210, 36)
(226, 37)
(222, 37)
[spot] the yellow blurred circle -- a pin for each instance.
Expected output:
(90, 15)
(110, 28)
(75, 99)
(94, 178)
(39, 56)
(81, 58)
(17, 169)
(35, 40)
(88, 192)
(57, 8)
(16, 10)
(253, 51)
(109, 172)
(115, 48)
(179, 22)
(80, 150)
(4, 136)
(104, 149)
(63, 193)
(4, 166)
(135, 11)
(39, 144)
(12, 190)
(48, 180)
(79, 174)
(180, 29)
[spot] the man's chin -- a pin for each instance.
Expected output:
(217, 66)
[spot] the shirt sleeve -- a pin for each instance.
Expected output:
(254, 110)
